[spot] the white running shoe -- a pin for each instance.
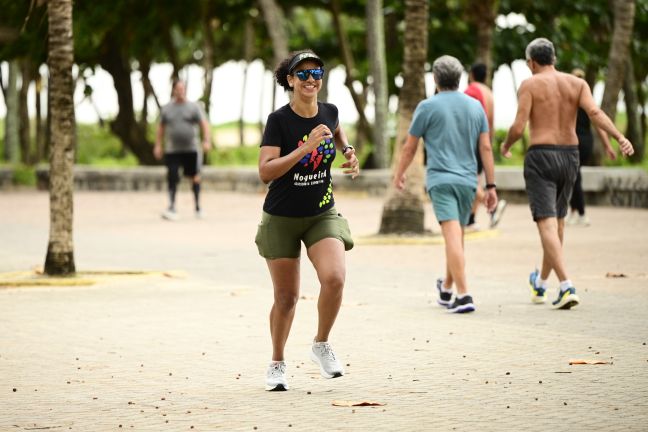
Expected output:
(322, 354)
(496, 216)
(170, 215)
(276, 377)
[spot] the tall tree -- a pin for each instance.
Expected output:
(624, 12)
(403, 211)
(378, 62)
(364, 127)
(60, 249)
(12, 119)
(482, 13)
(634, 131)
(276, 25)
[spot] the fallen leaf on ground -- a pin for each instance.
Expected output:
(346, 403)
(615, 275)
(590, 362)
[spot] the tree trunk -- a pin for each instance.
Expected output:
(25, 127)
(276, 26)
(125, 126)
(40, 135)
(60, 250)
(248, 52)
(483, 14)
(634, 129)
(403, 212)
(350, 75)
(624, 11)
(12, 118)
(378, 62)
(208, 59)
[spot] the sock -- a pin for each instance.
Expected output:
(196, 191)
(541, 283)
(565, 285)
(461, 296)
(446, 290)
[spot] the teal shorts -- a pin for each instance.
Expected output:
(452, 202)
(281, 236)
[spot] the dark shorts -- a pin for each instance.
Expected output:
(281, 236)
(549, 174)
(189, 161)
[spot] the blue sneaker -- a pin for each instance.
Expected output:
(538, 294)
(444, 298)
(567, 299)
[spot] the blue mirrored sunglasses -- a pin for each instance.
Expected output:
(317, 74)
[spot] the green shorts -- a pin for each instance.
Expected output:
(281, 236)
(452, 202)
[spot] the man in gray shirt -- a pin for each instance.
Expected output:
(178, 129)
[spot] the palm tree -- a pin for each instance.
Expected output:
(403, 211)
(276, 25)
(483, 13)
(60, 249)
(377, 59)
(624, 12)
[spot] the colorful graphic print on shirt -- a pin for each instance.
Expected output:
(323, 153)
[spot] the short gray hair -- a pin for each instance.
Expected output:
(541, 51)
(447, 72)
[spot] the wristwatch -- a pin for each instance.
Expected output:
(347, 147)
(490, 186)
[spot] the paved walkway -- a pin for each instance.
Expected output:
(188, 350)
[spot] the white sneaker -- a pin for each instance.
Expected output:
(583, 221)
(322, 354)
(170, 215)
(496, 216)
(572, 219)
(276, 377)
(199, 214)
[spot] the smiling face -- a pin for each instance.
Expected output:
(307, 88)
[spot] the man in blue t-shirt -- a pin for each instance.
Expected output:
(451, 123)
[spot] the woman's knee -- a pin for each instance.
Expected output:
(333, 281)
(286, 302)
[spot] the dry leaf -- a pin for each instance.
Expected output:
(615, 275)
(589, 362)
(346, 403)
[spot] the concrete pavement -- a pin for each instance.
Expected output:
(188, 351)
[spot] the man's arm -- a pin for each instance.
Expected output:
(407, 156)
(525, 102)
(206, 134)
(486, 153)
(601, 120)
(605, 139)
(159, 136)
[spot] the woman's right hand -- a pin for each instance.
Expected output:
(318, 134)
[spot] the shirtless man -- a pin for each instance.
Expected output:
(549, 101)
(478, 89)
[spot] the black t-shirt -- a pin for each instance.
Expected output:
(306, 189)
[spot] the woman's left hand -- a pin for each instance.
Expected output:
(352, 164)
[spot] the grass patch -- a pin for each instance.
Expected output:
(24, 175)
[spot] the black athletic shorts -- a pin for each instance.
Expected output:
(549, 174)
(189, 161)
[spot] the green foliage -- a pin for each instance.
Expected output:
(98, 146)
(24, 175)
(234, 156)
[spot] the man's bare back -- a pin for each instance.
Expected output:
(554, 100)
(549, 101)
